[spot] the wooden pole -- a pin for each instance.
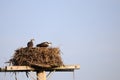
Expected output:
(41, 75)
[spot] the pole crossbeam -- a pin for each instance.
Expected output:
(28, 68)
(41, 75)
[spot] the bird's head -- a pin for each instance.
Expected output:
(48, 43)
(32, 40)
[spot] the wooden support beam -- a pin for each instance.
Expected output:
(41, 75)
(41, 72)
(28, 68)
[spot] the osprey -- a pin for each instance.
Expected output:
(30, 43)
(44, 44)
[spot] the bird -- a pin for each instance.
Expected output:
(44, 44)
(30, 43)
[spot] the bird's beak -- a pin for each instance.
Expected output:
(50, 43)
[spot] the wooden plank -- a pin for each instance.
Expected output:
(27, 68)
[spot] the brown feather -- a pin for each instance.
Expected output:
(30, 43)
(43, 44)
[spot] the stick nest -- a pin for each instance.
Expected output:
(37, 57)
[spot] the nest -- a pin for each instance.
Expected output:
(37, 57)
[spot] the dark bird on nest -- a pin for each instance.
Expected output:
(30, 43)
(44, 44)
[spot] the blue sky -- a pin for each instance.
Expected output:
(87, 32)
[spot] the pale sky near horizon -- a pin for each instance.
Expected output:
(86, 31)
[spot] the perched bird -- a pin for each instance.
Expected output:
(44, 44)
(30, 43)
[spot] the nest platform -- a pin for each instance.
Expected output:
(37, 57)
